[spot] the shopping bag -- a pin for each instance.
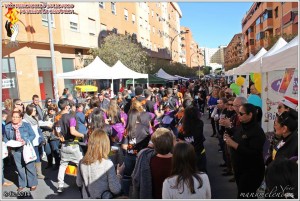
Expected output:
(29, 153)
(4, 150)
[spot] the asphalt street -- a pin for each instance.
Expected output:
(221, 188)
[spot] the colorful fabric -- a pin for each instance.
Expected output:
(18, 134)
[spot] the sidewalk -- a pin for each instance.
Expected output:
(221, 188)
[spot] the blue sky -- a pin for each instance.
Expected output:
(213, 24)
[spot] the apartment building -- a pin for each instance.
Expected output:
(267, 19)
(214, 57)
(28, 66)
(234, 52)
(190, 52)
(153, 25)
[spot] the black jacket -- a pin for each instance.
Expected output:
(248, 157)
(290, 148)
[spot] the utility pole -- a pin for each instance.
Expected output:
(181, 32)
(55, 88)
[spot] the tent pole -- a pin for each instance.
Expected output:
(148, 82)
(133, 83)
(112, 88)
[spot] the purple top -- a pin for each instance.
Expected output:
(73, 122)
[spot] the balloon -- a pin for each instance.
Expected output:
(240, 81)
(257, 84)
(251, 77)
(235, 88)
(255, 100)
(256, 76)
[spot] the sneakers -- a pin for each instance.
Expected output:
(60, 189)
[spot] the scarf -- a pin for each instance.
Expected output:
(30, 120)
(18, 134)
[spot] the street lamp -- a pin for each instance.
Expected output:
(191, 57)
(181, 32)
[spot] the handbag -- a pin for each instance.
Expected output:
(4, 150)
(29, 153)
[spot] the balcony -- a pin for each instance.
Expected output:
(251, 35)
(268, 24)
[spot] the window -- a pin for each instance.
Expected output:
(45, 20)
(157, 16)
(267, 14)
(260, 36)
(115, 30)
(146, 25)
(74, 22)
(133, 18)
(152, 13)
(126, 14)
(9, 79)
(92, 26)
(250, 29)
(102, 5)
(257, 21)
(113, 8)
(276, 12)
(103, 30)
(251, 41)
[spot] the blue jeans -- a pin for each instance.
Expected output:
(39, 152)
(129, 162)
(26, 172)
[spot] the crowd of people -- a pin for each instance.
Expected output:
(149, 143)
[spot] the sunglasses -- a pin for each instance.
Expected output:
(49, 101)
(19, 104)
(241, 114)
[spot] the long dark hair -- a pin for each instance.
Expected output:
(29, 110)
(191, 120)
(133, 117)
(184, 167)
(97, 119)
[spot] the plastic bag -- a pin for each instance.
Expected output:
(29, 153)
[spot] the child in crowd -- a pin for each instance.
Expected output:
(82, 125)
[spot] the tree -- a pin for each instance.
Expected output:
(120, 47)
(206, 70)
(273, 39)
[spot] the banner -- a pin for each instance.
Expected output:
(276, 85)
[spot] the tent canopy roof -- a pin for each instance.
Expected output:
(162, 74)
(95, 70)
(120, 71)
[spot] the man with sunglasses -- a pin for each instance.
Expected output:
(39, 111)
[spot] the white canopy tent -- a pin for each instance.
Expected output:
(285, 57)
(162, 74)
(95, 70)
(236, 70)
(120, 71)
(229, 73)
(248, 68)
(180, 77)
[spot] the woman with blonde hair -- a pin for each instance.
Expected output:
(8, 105)
(96, 173)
